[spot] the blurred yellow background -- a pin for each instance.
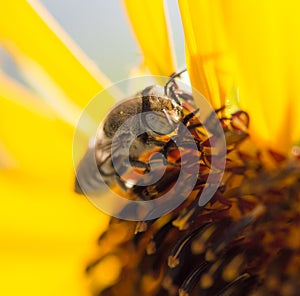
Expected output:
(48, 233)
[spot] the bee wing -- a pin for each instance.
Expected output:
(88, 179)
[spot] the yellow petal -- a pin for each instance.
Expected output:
(13, 91)
(7, 160)
(265, 40)
(46, 232)
(52, 93)
(150, 26)
(41, 145)
(33, 136)
(26, 26)
(209, 63)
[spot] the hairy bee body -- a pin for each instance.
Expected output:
(156, 115)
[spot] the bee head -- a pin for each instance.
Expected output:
(162, 114)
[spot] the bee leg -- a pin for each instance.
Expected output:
(220, 109)
(173, 92)
(189, 116)
(171, 79)
(155, 162)
(176, 93)
(139, 164)
(150, 141)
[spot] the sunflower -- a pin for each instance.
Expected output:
(246, 239)
(239, 55)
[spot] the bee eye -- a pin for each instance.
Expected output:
(159, 123)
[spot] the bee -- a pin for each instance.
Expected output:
(121, 142)
(156, 120)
